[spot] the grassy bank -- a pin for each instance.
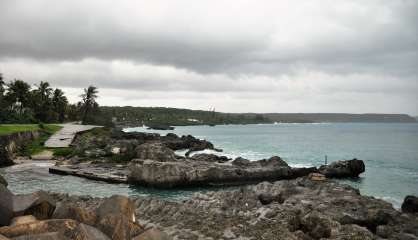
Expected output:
(36, 146)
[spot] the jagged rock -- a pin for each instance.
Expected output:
(204, 157)
(3, 181)
(64, 211)
(410, 204)
(38, 204)
(117, 204)
(23, 220)
(274, 161)
(6, 206)
(344, 168)
(317, 225)
(155, 151)
(152, 234)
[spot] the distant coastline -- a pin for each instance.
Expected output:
(138, 116)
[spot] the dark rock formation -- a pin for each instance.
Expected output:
(204, 157)
(341, 169)
(410, 204)
(12, 143)
(3, 181)
(292, 209)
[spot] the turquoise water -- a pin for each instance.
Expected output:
(390, 152)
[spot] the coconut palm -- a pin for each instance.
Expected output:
(89, 101)
(59, 102)
(18, 95)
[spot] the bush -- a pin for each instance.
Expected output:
(63, 152)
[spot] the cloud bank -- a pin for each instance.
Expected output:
(237, 56)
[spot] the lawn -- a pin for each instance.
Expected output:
(13, 128)
(36, 145)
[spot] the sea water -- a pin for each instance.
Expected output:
(389, 150)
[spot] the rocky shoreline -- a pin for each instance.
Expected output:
(297, 209)
(153, 163)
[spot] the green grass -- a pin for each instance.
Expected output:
(63, 152)
(37, 145)
(13, 128)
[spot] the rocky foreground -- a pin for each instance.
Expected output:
(299, 209)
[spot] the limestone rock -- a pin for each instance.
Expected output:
(317, 177)
(155, 151)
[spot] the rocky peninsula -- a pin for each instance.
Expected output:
(149, 160)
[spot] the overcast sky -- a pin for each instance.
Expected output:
(237, 56)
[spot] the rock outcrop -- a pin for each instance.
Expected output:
(186, 172)
(3, 181)
(10, 144)
(343, 169)
(410, 204)
(37, 204)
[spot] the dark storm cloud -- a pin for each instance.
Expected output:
(273, 51)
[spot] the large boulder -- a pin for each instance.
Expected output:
(3, 181)
(155, 151)
(344, 168)
(410, 204)
(6, 206)
(116, 218)
(82, 215)
(39, 204)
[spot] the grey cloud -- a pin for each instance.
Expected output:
(284, 55)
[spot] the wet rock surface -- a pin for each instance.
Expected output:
(410, 204)
(3, 181)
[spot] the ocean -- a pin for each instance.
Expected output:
(389, 150)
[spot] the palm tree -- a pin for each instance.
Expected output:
(59, 102)
(89, 101)
(42, 102)
(18, 94)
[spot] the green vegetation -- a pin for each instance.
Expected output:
(63, 152)
(14, 128)
(37, 145)
(22, 103)
(177, 117)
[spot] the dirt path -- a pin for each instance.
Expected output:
(65, 136)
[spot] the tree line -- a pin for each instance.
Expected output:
(22, 103)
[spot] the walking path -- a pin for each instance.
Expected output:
(65, 136)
